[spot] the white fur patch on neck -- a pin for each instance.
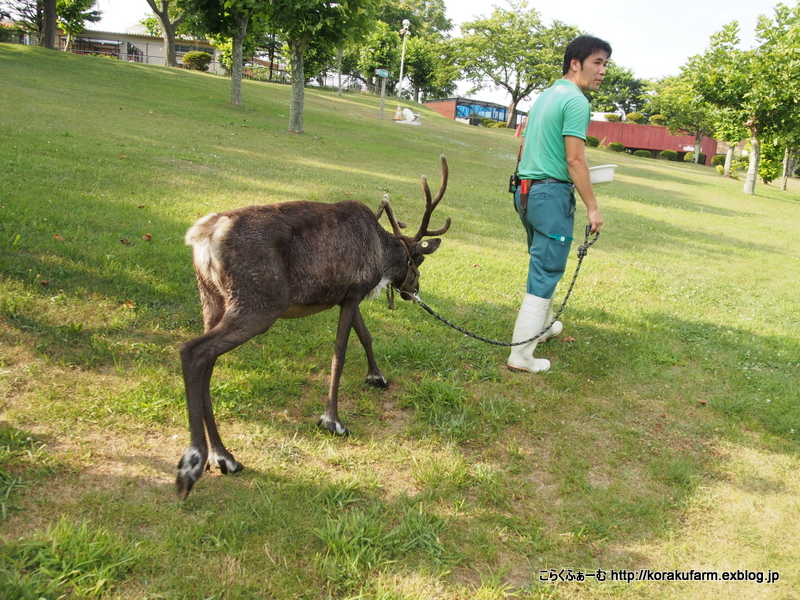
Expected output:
(376, 291)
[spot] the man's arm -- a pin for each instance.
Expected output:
(579, 171)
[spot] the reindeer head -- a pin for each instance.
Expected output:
(416, 248)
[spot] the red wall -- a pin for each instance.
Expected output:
(446, 108)
(648, 137)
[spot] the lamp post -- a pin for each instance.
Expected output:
(404, 32)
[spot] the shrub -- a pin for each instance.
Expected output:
(668, 155)
(689, 157)
(197, 61)
(643, 153)
(720, 168)
(614, 118)
(635, 117)
(616, 147)
(658, 120)
(717, 160)
(592, 141)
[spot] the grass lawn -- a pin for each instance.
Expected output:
(665, 437)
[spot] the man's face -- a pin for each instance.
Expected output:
(589, 75)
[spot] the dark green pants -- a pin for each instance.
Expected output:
(549, 222)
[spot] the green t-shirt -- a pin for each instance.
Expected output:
(561, 110)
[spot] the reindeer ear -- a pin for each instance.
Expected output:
(430, 246)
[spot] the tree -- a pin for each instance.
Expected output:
(685, 110)
(72, 17)
(228, 19)
(621, 91)
(29, 17)
(327, 23)
(380, 49)
(169, 23)
(731, 130)
(761, 85)
(430, 67)
(514, 51)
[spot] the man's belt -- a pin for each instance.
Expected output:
(525, 189)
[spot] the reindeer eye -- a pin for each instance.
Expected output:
(424, 244)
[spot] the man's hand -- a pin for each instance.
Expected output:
(595, 221)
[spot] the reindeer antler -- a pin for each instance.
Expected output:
(385, 206)
(430, 205)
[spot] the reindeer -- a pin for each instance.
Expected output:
(258, 264)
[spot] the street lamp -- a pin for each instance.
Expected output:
(404, 32)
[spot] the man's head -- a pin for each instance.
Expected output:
(585, 60)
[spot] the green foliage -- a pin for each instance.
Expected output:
(592, 141)
(759, 87)
(616, 147)
(73, 15)
(197, 61)
(668, 155)
(620, 91)
(81, 561)
(612, 117)
(689, 157)
(430, 67)
(635, 117)
(658, 120)
(643, 153)
(770, 167)
(513, 50)
(686, 112)
(717, 160)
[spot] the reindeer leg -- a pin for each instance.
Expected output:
(374, 375)
(198, 357)
(330, 418)
(218, 456)
(190, 467)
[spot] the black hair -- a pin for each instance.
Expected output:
(583, 47)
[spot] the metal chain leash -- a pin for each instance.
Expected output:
(583, 250)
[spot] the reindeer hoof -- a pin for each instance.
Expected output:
(190, 468)
(334, 427)
(378, 381)
(226, 463)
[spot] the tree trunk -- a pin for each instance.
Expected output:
(696, 156)
(48, 39)
(339, 55)
(68, 43)
(752, 170)
(168, 27)
(296, 52)
(728, 161)
(271, 57)
(512, 108)
(237, 60)
(789, 163)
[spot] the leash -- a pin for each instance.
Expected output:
(583, 250)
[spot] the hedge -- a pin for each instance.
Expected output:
(643, 153)
(592, 141)
(197, 61)
(668, 155)
(616, 147)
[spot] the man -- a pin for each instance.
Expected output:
(552, 164)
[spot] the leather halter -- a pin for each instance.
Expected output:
(410, 285)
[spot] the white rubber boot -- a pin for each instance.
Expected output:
(530, 321)
(557, 327)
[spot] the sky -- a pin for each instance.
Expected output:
(653, 39)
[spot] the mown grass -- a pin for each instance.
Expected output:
(664, 437)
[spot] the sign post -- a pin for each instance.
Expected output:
(383, 74)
